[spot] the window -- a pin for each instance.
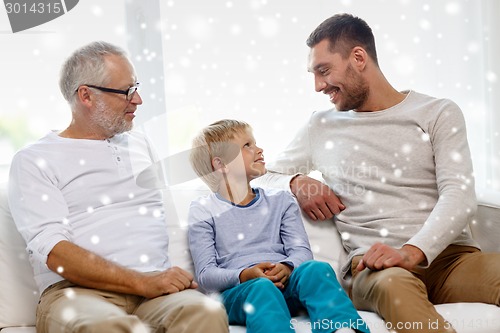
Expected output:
(30, 62)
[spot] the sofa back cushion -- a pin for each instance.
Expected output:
(18, 292)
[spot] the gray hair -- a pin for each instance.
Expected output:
(86, 66)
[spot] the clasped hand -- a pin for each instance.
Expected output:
(278, 273)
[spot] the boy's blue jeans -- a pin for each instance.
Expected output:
(264, 308)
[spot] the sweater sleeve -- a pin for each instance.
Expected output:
(295, 159)
(201, 235)
(293, 235)
(455, 183)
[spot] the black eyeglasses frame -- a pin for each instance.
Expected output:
(129, 93)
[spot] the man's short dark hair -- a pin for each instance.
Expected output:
(345, 31)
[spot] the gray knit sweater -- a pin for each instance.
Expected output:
(404, 173)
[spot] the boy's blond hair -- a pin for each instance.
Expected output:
(214, 141)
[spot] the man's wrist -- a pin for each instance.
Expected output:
(414, 255)
(293, 182)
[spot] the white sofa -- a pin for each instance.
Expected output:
(19, 296)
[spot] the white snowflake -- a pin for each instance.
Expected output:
(248, 308)
(105, 200)
(41, 163)
(68, 314)
(406, 148)
(94, 239)
(157, 213)
(329, 145)
(398, 173)
(213, 302)
(491, 77)
(456, 156)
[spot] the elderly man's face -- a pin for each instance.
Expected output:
(112, 112)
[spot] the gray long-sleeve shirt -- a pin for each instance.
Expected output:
(224, 238)
(404, 173)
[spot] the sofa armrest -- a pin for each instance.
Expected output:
(486, 225)
(18, 291)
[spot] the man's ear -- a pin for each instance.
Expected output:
(84, 96)
(359, 57)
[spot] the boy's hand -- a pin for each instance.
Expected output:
(257, 271)
(277, 273)
(280, 274)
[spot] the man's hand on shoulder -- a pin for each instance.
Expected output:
(381, 256)
(171, 281)
(316, 199)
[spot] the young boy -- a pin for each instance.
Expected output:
(250, 244)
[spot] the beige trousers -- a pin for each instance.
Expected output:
(405, 299)
(65, 307)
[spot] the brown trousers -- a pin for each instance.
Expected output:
(65, 307)
(405, 299)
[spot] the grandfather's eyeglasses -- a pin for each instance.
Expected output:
(128, 92)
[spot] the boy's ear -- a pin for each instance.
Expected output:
(218, 164)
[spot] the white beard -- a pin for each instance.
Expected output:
(110, 121)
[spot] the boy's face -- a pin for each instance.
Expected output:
(251, 161)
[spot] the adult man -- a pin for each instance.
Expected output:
(400, 165)
(96, 239)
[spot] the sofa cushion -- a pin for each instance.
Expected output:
(18, 291)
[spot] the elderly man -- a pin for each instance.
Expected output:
(399, 162)
(98, 241)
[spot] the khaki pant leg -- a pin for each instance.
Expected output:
(188, 311)
(65, 308)
(399, 297)
(465, 274)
